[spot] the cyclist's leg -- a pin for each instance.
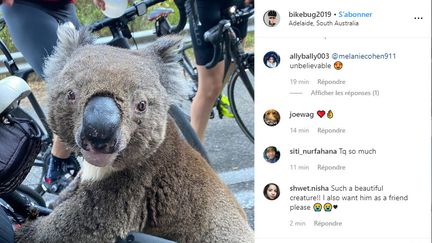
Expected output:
(209, 87)
(33, 29)
(209, 80)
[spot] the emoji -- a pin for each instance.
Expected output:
(317, 207)
(335, 206)
(338, 65)
(321, 113)
(327, 207)
(330, 114)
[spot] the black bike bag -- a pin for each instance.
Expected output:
(20, 143)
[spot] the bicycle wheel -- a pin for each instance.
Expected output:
(242, 102)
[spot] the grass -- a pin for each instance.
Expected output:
(249, 42)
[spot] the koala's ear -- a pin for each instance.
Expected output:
(69, 39)
(165, 53)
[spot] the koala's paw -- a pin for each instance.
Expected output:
(25, 233)
(68, 191)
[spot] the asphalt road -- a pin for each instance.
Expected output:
(231, 154)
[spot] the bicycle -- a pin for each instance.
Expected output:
(226, 43)
(243, 62)
(120, 32)
(163, 27)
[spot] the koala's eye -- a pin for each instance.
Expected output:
(71, 95)
(141, 106)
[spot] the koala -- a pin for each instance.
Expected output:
(138, 174)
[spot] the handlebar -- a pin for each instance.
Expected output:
(120, 23)
(215, 37)
(242, 14)
(139, 9)
(215, 34)
(182, 14)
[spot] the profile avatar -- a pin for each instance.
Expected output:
(271, 191)
(271, 59)
(271, 154)
(271, 117)
(271, 18)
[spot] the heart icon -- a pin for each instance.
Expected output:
(321, 113)
(335, 206)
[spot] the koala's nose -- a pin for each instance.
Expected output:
(101, 123)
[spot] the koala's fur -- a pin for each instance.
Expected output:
(157, 183)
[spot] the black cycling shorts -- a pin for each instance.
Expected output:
(210, 12)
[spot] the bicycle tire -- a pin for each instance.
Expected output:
(31, 194)
(187, 131)
(233, 104)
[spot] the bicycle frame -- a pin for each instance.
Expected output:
(235, 52)
(187, 64)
